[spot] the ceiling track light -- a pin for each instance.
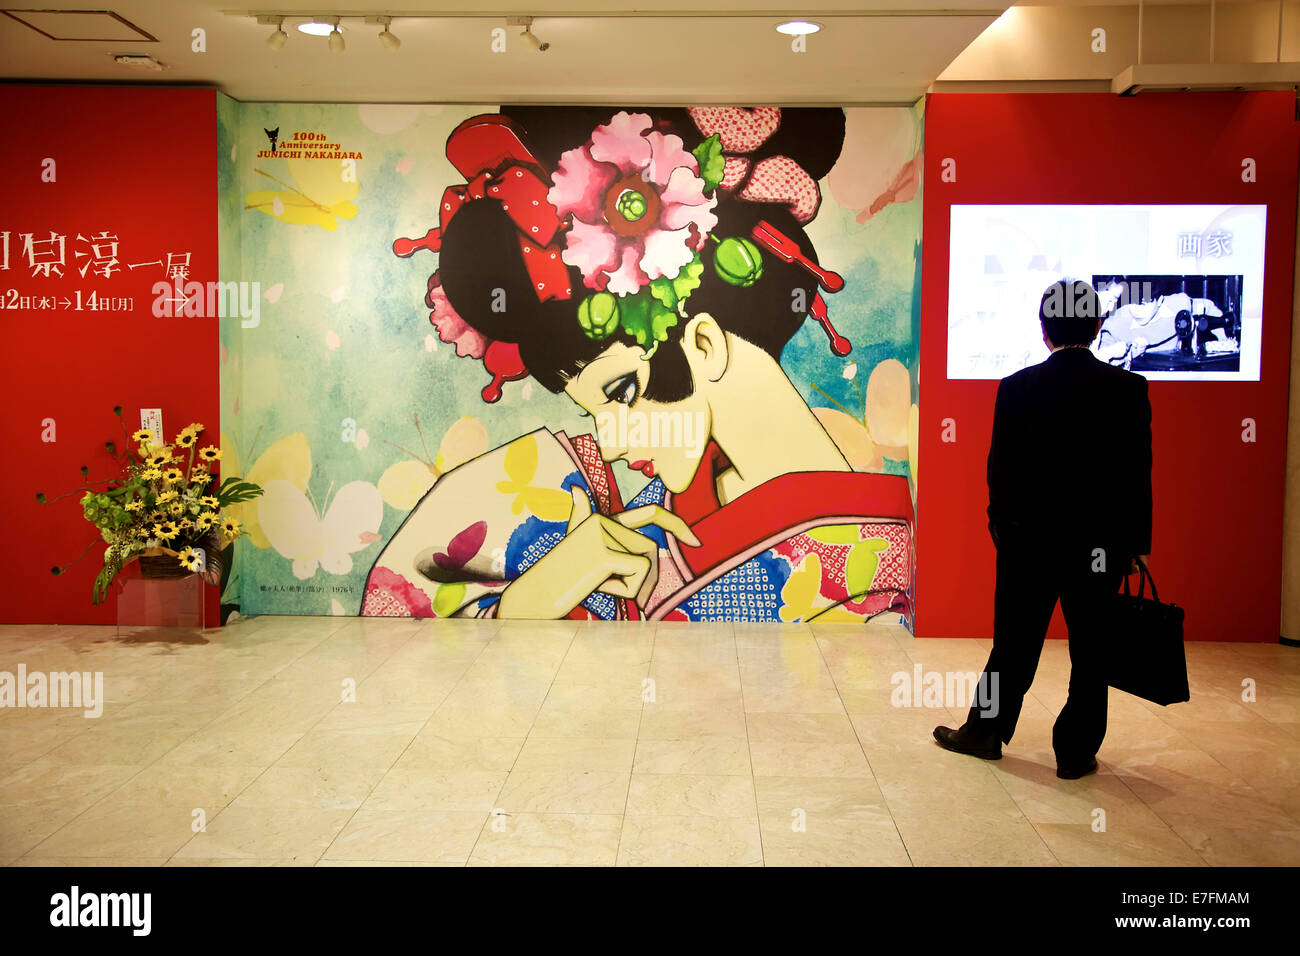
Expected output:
(527, 35)
(387, 39)
(277, 39)
(336, 38)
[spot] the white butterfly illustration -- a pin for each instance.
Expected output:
(312, 537)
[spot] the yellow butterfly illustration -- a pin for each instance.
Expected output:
(521, 468)
(321, 196)
(803, 588)
(288, 459)
(404, 483)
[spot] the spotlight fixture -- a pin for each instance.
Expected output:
(797, 28)
(527, 35)
(386, 37)
(336, 38)
(277, 39)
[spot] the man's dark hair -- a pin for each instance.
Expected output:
(1069, 312)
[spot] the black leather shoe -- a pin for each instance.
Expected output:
(1066, 772)
(961, 741)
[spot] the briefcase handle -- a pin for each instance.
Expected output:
(1143, 577)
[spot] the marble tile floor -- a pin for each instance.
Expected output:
(303, 741)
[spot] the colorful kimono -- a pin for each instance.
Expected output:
(824, 546)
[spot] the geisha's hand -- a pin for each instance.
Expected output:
(597, 554)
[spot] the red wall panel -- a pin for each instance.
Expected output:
(1217, 540)
(140, 165)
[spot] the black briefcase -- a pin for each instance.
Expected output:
(1144, 653)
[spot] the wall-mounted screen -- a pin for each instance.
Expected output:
(1181, 288)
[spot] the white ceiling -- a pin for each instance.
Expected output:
(880, 51)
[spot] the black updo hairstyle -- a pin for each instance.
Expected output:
(480, 257)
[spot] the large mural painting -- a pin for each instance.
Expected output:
(554, 362)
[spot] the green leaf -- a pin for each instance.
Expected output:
(647, 319)
(662, 289)
(688, 280)
(661, 320)
(670, 292)
(235, 491)
(709, 155)
(229, 576)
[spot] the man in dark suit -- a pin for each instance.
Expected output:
(1069, 476)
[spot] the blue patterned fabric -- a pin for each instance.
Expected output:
(750, 592)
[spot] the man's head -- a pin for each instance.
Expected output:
(1070, 313)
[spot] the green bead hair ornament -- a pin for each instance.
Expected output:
(598, 315)
(631, 205)
(738, 261)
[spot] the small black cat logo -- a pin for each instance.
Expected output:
(273, 135)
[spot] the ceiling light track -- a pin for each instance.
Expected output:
(697, 13)
(324, 26)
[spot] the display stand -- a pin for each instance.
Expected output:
(159, 602)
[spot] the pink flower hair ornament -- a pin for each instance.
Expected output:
(640, 209)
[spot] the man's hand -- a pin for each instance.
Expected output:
(1133, 563)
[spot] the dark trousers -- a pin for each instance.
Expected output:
(1030, 580)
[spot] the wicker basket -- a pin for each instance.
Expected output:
(164, 563)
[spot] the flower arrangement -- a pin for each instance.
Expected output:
(162, 504)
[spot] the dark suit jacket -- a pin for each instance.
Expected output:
(1070, 460)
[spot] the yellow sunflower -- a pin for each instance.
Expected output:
(200, 478)
(166, 531)
(191, 558)
(176, 509)
(187, 439)
(143, 436)
(174, 475)
(159, 457)
(166, 496)
(230, 528)
(205, 521)
(208, 501)
(151, 474)
(210, 453)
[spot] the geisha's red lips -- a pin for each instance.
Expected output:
(646, 468)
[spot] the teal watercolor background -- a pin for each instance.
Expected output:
(283, 376)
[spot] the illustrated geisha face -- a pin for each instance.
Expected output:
(666, 439)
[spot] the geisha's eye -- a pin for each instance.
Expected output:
(623, 389)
